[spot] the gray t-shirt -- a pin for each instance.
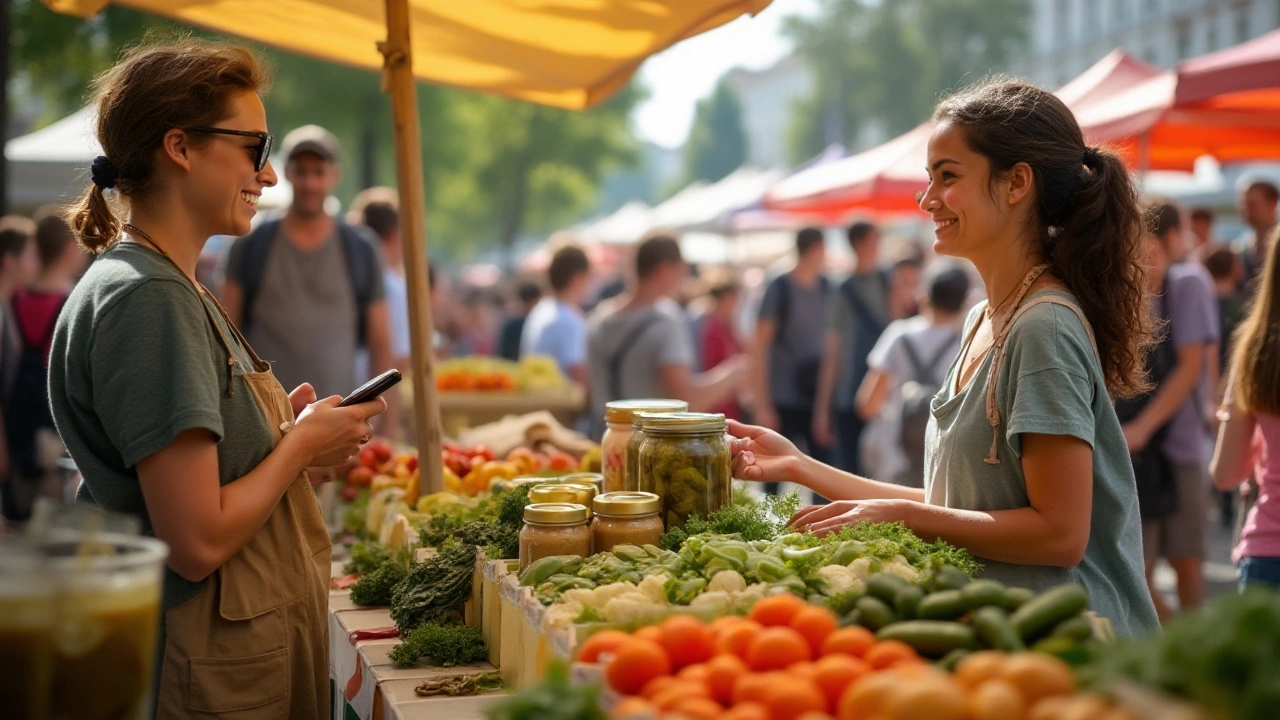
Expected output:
(1193, 320)
(644, 340)
(135, 362)
(1050, 382)
(856, 341)
(797, 346)
(305, 314)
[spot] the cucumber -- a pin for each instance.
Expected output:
(1016, 597)
(995, 630)
(873, 613)
(854, 617)
(885, 586)
(1077, 628)
(949, 577)
(908, 601)
(944, 605)
(981, 593)
(932, 638)
(1039, 615)
(953, 658)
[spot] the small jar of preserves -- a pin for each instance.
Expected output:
(613, 446)
(685, 460)
(554, 529)
(626, 518)
(562, 492)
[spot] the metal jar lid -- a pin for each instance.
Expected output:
(562, 492)
(556, 513)
(521, 481)
(684, 423)
(594, 479)
(627, 503)
(620, 411)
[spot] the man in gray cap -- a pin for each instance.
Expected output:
(306, 289)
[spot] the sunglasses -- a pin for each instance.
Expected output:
(264, 142)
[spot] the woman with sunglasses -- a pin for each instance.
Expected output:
(167, 411)
(1025, 462)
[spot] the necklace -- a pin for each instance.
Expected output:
(1021, 290)
(200, 289)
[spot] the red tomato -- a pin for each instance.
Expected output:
(382, 449)
(482, 451)
(369, 458)
(350, 492)
(411, 463)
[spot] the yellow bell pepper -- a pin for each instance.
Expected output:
(452, 482)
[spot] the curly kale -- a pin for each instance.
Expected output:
(366, 557)
(375, 588)
(511, 504)
(445, 643)
(764, 520)
(434, 587)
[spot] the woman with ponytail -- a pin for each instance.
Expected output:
(1026, 465)
(170, 415)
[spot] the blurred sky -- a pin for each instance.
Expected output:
(684, 74)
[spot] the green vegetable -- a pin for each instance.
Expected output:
(848, 551)
(543, 568)
(932, 638)
(459, 685)
(692, 475)
(682, 592)
(1016, 597)
(951, 660)
(981, 593)
(555, 698)
(375, 588)
(366, 557)
(996, 631)
(885, 586)
(1077, 628)
(842, 602)
(942, 605)
(948, 577)
(434, 588)
(873, 612)
(907, 601)
(765, 520)
(1038, 616)
(447, 644)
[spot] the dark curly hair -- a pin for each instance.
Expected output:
(1088, 221)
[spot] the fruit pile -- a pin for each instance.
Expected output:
(378, 467)
(790, 661)
(486, 374)
(471, 471)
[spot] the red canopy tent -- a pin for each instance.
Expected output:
(1251, 66)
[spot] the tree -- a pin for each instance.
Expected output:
(717, 143)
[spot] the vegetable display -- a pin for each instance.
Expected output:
(446, 643)
(554, 698)
(433, 589)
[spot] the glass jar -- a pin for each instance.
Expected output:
(632, 476)
(562, 492)
(554, 529)
(626, 518)
(685, 460)
(520, 481)
(613, 446)
(593, 479)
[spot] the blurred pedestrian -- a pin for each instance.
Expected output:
(307, 289)
(1249, 433)
(904, 287)
(855, 319)
(718, 336)
(478, 323)
(557, 326)
(19, 266)
(1258, 205)
(378, 210)
(510, 337)
(1203, 241)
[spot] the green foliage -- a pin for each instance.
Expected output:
(366, 557)
(885, 540)
(434, 588)
(446, 644)
(375, 588)
(717, 142)
(554, 698)
(763, 520)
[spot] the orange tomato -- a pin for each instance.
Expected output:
(1038, 675)
(657, 685)
(835, 673)
(996, 699)
(649, 632)
(696, 672)
(852, 641)
(636, 662)
(753, 687)
(803, 669)
(814, 716)
(698, 708)
(790, 697)
(605, 641)
(736, 639)
(927, 699)
(886, 653)
(746, 711)
(866, 697)
(686, 640)
(722, 672)
(666, 698)
(815, 624)
(722, 623)
(633, 707)
(776, 648)
(980, 667)
(776, 609)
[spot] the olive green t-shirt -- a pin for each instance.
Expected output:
(136, 361)
(1050, 382)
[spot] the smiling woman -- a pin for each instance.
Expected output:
(168, 412)
(1025, 462)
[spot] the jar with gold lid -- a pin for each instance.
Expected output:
(520, 481)
(613, 446)
(554, 529)
(626, 518)
(562, 492)
(685, 460)
(594, 479)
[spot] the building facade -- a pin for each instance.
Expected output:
(767, 97)
(1067, 36)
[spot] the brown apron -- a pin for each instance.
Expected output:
(255, 642)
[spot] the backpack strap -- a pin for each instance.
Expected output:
(624, 348)
(784, 307)
(944, 351)
(362, 266)
(917, 367)
(253, 264)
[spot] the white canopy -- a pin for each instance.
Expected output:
(709, 207)
(624, 226)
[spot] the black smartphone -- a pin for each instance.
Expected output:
(372, 389)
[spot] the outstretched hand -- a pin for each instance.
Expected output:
(762, 455)
(823, 519)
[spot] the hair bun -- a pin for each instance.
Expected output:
(104, 172)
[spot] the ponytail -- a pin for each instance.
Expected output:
(96, 227)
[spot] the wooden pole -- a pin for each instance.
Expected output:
(398, 81)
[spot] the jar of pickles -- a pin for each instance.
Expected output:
(562, 492)
(626, 518)
(613, 446)
(554, 529)
(685, 460)
(633, 452)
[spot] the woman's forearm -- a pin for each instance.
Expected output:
(1022, 536)
(836, 484)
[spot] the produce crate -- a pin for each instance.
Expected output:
(511, 640)
(386, 690)
(494, 572)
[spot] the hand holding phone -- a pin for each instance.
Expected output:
(372, 389)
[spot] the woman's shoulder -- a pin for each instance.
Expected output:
(1053, 331)
(134, 278)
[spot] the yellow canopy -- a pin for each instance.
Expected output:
(565, 53)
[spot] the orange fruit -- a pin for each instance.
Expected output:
(679, 690)
(927, 699)
(736, 639)
(776, 609)
(746, 711)
(722, 672)
(633, 707)
(803, 670)
(636, 662)
(886, 653)
(776, 648)
(686, 640)
(834, 674)
(790, 697)
(1038, 676)
(815, 624)
(996, 699)
(724, 622)
(696, 673)
(649, 632)
(977, 668)
(853, 640)
(814, 716)
(753, 687)
(866, 697)
(656, 685)
(698, 708)
(605, 641)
